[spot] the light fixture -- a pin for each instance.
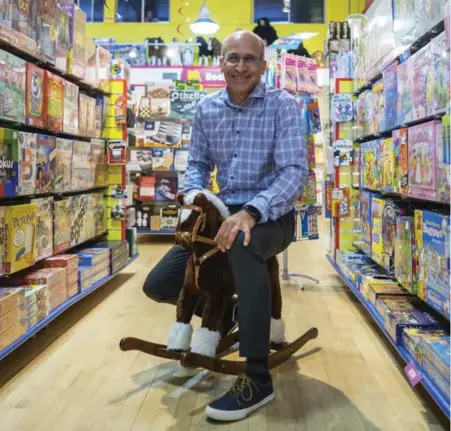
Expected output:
(204, 24)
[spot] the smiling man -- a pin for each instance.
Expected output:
(255, 137)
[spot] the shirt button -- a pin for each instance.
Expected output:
(237, 132)
(239, 110)
(234, 155)
(231, 177)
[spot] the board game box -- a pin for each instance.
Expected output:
(82, 172)
(63, 170)
(9, 168)
(46, 29)
(163, 159)
(401, 181)
(83, 114)
(91, 117)
(422, 161)
(161, 133)
(165, 189)
(405, 91)
(54, 101)
(62, 42)
(422, 82)
(390, 79)
(44, 227)
(27, 163)
(6, 8)
(440, 58)
(79, 207)
(77, 31)
(20, 237)
(91, 62)
(35, 96)
(70, 117)
(183, 103)
(379, 106)
(372, 164)
(45, 163)
(61, 225)
(12, 87)
(25, 18)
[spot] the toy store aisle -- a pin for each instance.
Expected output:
(73, 376)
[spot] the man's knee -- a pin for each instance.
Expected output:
(153, 288)
(239, 248)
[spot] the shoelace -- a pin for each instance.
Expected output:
(237, 390)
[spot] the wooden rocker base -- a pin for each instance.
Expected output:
(193, 360)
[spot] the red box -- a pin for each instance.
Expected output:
(54, 102)
(35, 107)
(68, 261)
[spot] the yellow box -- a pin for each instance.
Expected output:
(20, 237)
(114, 235)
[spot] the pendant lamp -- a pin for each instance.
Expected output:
(204, 24)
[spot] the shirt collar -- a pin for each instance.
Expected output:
(258, 92)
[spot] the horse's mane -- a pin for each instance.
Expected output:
(189, 199)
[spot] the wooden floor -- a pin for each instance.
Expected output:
(72, 376)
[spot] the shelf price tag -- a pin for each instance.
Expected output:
(412, 373)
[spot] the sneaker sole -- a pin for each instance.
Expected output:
(236, 415)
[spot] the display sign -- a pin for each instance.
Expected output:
(208, 76)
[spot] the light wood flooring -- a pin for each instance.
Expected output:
(72, 376)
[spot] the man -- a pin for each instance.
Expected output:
(255, 137)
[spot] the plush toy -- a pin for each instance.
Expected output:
(156, 51)
(215, 48)
(204, 52)
(208, 273)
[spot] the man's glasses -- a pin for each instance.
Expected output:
(247, 59)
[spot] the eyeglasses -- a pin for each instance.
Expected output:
(247, 59)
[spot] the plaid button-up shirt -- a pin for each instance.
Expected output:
(258, 147)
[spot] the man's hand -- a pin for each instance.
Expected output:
(231, 226)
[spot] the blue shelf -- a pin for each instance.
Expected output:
(156, 232)
(59, 310)
(427, 383)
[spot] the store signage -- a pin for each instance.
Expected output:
(208, 76)
(412, 373)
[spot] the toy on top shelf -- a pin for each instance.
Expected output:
(441, 75)
(46, 29)
(423, 90)
(378, 106)
(405, 91)
(390, 85)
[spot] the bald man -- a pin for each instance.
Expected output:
(255, 137)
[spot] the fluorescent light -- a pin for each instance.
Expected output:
(303, 36)
(204, 25)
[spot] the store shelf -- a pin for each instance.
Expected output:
(156, 232)
(33, 58)
(59, 310)
(425, 380)
(53, 194)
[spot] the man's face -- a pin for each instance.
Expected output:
(243, 64)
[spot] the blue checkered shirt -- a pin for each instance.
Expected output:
(258, 147)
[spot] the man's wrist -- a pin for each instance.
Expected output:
(254, 212)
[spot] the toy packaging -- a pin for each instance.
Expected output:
(180, 160)
(387, 303)
(440, 68)
(91, 117)
(35, 96)
(413, 340)
(436, 243)
(24, 19)
(379, 106)
(168, 217)
(78, 213)
(62, 44)
(365, 199)
(104, 61)
(422, 161)
(404, 243)
(372, 287)
(163, 159)
(70, 117)
(406, 91)
(100, 109)
(400, 159)
(183, 103)
(54, 101)
(140, 161)
(26, 163)
(83, 114)
(166, 189)
(390, 86)
(161, 133)
(20, 237)
(91, 62)
(63, 165)
(147, 186)
(396, 321)
(342, 108)
(12, 87)
(44, 228)
(9, 168)
(45, 163)
(61, 225)
(82, 172)
(372, 164)
(46, 29)
(389, 214)
(418, 269)
(77, 31)
(377, 208)
(442, 133)
(437, 351)
(389, 166)
(423, 89)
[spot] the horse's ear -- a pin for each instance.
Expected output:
(180, 198)
(201, 200)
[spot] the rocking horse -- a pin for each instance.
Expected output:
(209, 273)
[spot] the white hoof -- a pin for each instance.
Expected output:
(205, 342)
(277, 331)
(180, 336)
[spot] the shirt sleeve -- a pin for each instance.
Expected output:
(200, 166)
(290, 156)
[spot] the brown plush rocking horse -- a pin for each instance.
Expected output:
(209, 273)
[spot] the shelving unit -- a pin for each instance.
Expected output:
(386, 224)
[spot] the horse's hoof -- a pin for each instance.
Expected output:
(180, 336)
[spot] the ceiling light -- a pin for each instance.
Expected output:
(204, 25)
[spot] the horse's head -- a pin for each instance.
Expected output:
(200, 217)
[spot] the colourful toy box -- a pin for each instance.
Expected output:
(63, 168)
(379, 106)
(413, 339)
(377, 208)
(20, 237)
(62, 44)
(422, 161)
(442, 139)
(44, 228)
(12, 87)
(401, 167)
(54, 102)
(61, 225)
(405, 91)
(373, 286)
(403, 257)
(422, 82)
(390, 84)
(70, 114)
(441, 80)
(35, 115)
(372, 162)
(437, 351)
(45, 163)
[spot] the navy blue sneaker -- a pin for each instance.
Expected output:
(245, 396)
